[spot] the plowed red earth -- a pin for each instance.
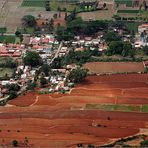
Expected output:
(58, 120)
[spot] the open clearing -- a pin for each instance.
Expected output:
(114, 102)
(114, 67)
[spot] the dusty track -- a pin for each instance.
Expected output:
(61, 120)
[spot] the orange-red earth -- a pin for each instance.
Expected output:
(61, 120)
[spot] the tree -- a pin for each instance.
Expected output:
(145, 50)
(111, 36)
(127, 47)
(51, 25)
(3, 30)
(26, 141)
(18, 33)
(15, 143)
(13, 87)
(46, 69)
(144, 143)
(55, 16)
(47, 5)
(63, 34)
(77, 75)
(43, 81)
(145, 5)
(29, 21)
(32, 59)
(120, 47)
(12, 95)
(31, 85)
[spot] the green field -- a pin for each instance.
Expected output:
(7, 39)
(127, 2)
(27, 30)
(54, 4)
(133, 26)
(113, 107)
(6, 71)
(33, 3)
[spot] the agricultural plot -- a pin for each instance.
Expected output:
(113, 107)
(54, 4)
(7, 39)
(96, 111)
(33, 3)
(114, 67)
(128, 3)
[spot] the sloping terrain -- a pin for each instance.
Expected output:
(98, 111)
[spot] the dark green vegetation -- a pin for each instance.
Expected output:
(120, 48)
(3, 30)
(12, 90)
(7, 68)
(77, 75)
(29, 21)
(15, 143)
(79, 27)
(7, 39)
(53, 5)
(128, 11)
(32, 59)
(144, 143)
(74, 57)
(33, 3)
(127, 2)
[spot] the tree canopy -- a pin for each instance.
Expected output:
(144, 143)
(29, 21)
(120, 48)
(111, 36)
(46, 69)
(77, 75)
(32, 59)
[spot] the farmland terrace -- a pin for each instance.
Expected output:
(98, 111)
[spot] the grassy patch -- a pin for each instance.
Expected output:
(126, 2)
(27, 30)
(8, 39)
(112, 107)
(17, 40)
(54, 4)
(6, 71)
(70, 7)
(144, 108)
(133, 26)
(33, 3)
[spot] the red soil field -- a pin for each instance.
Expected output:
(114, 67)
(61, 120)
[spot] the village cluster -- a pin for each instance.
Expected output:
(49, 48)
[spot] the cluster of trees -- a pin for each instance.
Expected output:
(12, 90)
(79, 27)
(76, 57)
(77, 75)
(47, 5)
(32, 59)
(117, 46)
(145, 50)
(111, 36)
(120, 48)
(144, 143)
(9, 63)
(29, 21)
